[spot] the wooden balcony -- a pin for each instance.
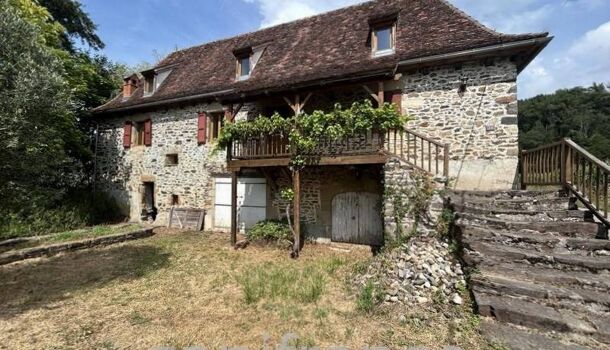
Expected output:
(274, 150)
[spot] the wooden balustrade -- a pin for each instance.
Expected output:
(566, 164)
(277, 146)
(420, 151)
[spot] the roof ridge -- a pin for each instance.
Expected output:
(285, 24)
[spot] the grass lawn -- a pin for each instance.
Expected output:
(193, 289)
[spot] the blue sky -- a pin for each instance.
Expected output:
(144, 30)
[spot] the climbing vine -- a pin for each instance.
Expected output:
(308, 129)
(411, 200)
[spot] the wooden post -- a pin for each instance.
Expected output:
(296, 184)
(524, 165)
(568, 163)
(380, 94)
(446, 161)
(233, 208)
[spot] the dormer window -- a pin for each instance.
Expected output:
(243, 67)
(153, 78)
(149, 85)
(383, 39)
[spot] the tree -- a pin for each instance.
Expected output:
(76, 22)
(36, 121)
(582, 114)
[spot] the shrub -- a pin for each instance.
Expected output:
(270, 231)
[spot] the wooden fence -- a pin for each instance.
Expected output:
(567, 164)
(420, 151)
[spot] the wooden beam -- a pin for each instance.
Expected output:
(235, 111)
(377, 158)
(380, 93)
(370, 92)
(296, 185)
(233, 208)
(306, 100)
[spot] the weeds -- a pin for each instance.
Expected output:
(368, 298)
(278, 282)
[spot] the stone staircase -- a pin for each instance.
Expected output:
(539, 269)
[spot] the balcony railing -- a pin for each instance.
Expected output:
(277, 146)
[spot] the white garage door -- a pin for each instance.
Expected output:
(251, 202)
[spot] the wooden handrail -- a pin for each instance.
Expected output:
(567, 164)
(422, 152)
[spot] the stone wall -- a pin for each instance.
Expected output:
(480, 123)
(122, 172)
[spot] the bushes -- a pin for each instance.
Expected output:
(270, 231)
(77, 209)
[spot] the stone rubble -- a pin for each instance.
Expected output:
(418, 272)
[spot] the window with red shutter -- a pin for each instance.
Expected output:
(202, 122)
(127, 134)
(148, 132)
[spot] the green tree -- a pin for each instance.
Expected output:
(582, 114)
(36, 122)
(77, 23)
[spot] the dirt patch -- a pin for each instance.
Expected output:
(187, 289)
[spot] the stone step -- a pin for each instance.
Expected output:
(503, 195)
(577, 299)
(530, 314)
(485, 253)
(598, 282)
(535, 204)
(550, 241)
(585, 229)
(525, 215)
(516, 338)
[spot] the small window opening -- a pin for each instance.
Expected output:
(383, 40)
(243, 67)
(171, 159)
(174, 199)
(149, 85)
(139, 139)
(216, 124)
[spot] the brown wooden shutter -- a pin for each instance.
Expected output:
(394, 97)
(148, 132)
(127, 134)
(202, 122)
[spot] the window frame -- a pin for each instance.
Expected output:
(172, 159)
(374, 40)
(138, 132)
(240, 60)
(216, 122)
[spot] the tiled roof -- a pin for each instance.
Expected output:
(327, 46)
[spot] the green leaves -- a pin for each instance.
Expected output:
(306, 131)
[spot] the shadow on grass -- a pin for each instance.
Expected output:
(32, 285)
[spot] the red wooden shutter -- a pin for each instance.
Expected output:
(394, 97)
(202, 122)
(148, 132)
(127, 134)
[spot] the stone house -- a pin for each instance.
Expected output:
(453, 76)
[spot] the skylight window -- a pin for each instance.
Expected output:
(383, 40)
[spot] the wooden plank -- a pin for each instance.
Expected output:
(233, 208)
(296, 184)
(339, 160)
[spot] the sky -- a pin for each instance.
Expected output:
(137, 31)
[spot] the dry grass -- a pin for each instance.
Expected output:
(190, 289)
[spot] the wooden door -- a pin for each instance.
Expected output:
(357, 218)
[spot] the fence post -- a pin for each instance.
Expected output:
(564, 162)
(446, 161)
(523, 163)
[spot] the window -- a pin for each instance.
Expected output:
(139, 139)
(243, 67)
(174, 199)
(149, 85)
(216, 122)
(383, 40)
(171, 159)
